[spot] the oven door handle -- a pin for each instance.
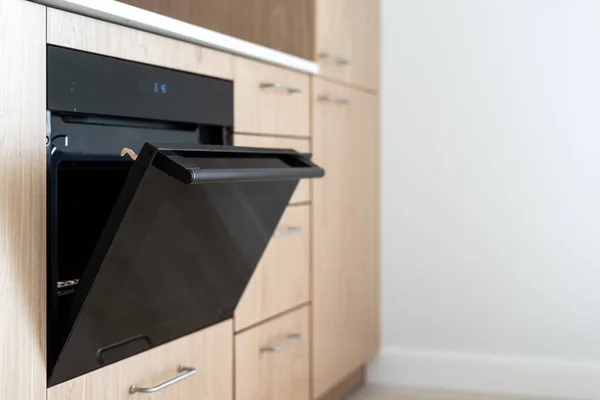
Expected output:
(183, 168)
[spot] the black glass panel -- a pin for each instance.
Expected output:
(172, 259)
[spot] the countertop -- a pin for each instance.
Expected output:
(125, 14)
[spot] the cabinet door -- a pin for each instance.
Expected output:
(348, 41)
(22, 200)
(209, 352)
(281, 279)
(272, 359)
(345, 233)
(363, 29)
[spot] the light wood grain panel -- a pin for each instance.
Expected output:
(22, 200)
(302, 193)
(266, 110)
(280, 281)
(285, 25)
(95, 36)
(210, 351)
(273, 375)
(349, 29)
(333, 37)
(364, 27)
(345, 234)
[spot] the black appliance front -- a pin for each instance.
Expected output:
(143, 252)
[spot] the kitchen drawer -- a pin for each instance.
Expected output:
(302, 193)
(280, 281)
(209, 351)
(272, 359)
(260, 108)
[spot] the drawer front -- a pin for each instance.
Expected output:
(272, 359)
(270, 99)
(302, 193)
(281, 279)
(209, 352)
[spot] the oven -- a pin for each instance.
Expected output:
(155, 223)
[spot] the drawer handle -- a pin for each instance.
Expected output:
(335, 57)
(333, 99)
(188, 372)
(292, 230)
(278, 85)
(292, 338)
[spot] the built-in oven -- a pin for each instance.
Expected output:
(155, 223)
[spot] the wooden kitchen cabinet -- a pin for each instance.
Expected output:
(347, 41)
(281, 279)
(270, 100)
(272, 359)
(345, 274)
(209, 352)
(284, 25)
(22, 200)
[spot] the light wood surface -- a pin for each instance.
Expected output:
(350, 28)
(363, 19)
(273, 375)
(332, 37)
(95, 36)
(349, 385)
(270, 110)
(374, 392)
(302, 193)
(22, 200)
(280, 281)
(285, 25)
(345, 234)
(210, 351)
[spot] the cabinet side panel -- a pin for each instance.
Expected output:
(22, 200)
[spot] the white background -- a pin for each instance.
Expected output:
(491, 195)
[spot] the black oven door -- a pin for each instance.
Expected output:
(178, 250)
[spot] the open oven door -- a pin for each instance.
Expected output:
(182, 241)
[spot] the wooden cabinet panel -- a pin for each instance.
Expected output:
(348, 35)
(270, 110)
(95, 36)
(283, 372)
(363, 20)
(345, 242)
(285, 25)
(302, 193)
(209, 351)
(280, 281)
(22, 200)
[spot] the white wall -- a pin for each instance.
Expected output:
(491, 195)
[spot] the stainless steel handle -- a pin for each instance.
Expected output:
(291, 230)
(335, 57)
(278, 85)
(188, 372)
(333, 99)
(292, 338)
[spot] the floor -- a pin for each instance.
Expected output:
(371, 392)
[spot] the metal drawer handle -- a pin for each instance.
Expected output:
(335, 57)
(292, 338)
(333, 99)
(288, 231)
(188, 372)
(278, 85)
